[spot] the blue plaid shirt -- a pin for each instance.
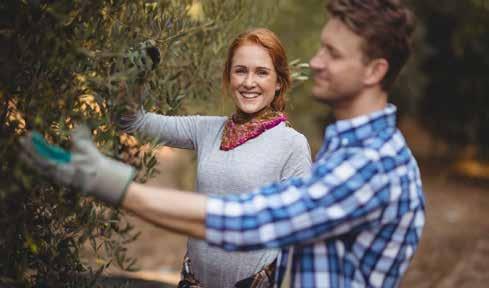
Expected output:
(355, 221)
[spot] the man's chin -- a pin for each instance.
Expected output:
(321, 96)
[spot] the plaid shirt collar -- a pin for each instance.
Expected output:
(346, 132)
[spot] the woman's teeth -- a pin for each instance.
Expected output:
(249, 95)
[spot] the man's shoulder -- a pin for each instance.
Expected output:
(381, 154)
(392, 154)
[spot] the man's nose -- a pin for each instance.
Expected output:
(314, 63)
(318, 61)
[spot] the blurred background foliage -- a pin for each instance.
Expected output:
(455, 104)
(62, 63)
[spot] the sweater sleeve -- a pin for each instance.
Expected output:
(298, 163)
(173, 131)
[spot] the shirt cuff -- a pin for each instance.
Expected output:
(130, 123)
(214, 220)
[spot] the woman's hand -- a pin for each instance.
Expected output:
(145, 57)
(142, 59)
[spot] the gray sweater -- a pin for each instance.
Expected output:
(275, 155)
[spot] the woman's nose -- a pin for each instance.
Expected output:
(249, 81)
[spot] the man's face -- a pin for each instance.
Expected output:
(338, 66)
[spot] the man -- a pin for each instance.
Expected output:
(355, 221)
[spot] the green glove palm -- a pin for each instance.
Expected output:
(83, 168)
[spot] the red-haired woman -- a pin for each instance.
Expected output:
(249, 149)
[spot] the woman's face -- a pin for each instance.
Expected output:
(253, 79)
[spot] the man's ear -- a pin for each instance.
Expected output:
(376, 71)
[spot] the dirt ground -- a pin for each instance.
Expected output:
(454, 250)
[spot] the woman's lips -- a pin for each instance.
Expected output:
(249, 95)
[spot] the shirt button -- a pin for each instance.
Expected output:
(344, 141)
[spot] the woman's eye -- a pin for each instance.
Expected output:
(262, 73)
(240, 71)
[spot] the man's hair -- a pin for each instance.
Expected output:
(386, 27)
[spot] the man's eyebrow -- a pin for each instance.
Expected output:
(331, 48)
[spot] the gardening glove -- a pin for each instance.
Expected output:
(83, 168)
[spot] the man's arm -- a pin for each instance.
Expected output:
(344, 193)
(178, 211)
(347, 192)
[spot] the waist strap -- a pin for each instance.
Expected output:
(261, 279)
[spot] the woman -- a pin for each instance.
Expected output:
(249, 149)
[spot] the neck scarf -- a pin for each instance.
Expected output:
(241, 127)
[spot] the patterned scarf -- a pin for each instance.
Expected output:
(240, 127)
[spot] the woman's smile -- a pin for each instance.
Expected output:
(249, 95)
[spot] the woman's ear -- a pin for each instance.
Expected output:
(376, 71)
(278, 86)
(277, 89)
